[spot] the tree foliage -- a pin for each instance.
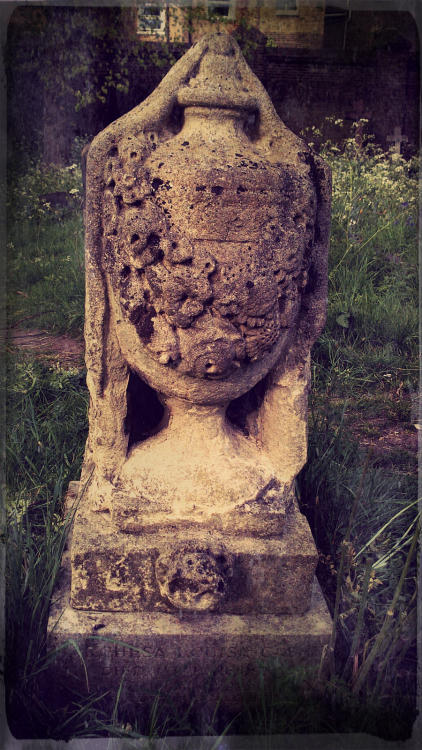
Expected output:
(72, 70)
(80, 66)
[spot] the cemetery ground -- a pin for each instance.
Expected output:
(358, 489)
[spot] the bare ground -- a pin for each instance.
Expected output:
(61, 349)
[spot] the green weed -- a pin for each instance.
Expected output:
(46, 431)
(41, 192)
(372, 319)
(46, 275)
(45, 260)
(365, 521)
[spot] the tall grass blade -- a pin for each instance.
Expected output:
(360, 619)
(366, 666)
(385, 526)
(345, 548)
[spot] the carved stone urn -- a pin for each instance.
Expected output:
(207, 225)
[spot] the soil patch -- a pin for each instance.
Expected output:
(386, 436)
(64, 350)
(389, 427)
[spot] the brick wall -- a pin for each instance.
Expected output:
(382, 87)
(304, 29)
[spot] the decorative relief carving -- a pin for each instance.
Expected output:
(194, 578)
(184, 291)
(207, 227)
(207, 242)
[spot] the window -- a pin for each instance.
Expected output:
(152, 19)
(222, 8)
(286, 7)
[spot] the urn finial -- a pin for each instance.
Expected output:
(218, 82)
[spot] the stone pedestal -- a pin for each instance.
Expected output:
(207, 661)
(115, 571)
(210, 664)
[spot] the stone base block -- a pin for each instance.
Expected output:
(207, 659)
(198, 569)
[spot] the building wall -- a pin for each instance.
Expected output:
(188, 25)
(304, 28)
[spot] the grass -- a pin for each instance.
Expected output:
(46, 268)
(46, 428)
(45, 258)
(364, 520)
(360, 499)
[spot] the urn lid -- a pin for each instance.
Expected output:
(218, 82)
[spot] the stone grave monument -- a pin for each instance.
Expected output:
(207, 227)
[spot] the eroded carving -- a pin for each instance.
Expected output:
(194, 578)
(207, 225)
(208, 243)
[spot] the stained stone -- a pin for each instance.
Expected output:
(207, 226)
(210, 664)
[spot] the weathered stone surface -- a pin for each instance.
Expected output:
(161, 570)
(200, 471)
(207, 228)
(192, 577)
(213, 661)
(189, 565)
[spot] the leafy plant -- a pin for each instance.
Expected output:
(44, 192)
(372, 310)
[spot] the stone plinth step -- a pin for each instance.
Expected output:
(212, 659)
(197, 569)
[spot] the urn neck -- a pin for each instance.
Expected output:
(205, 420)
(217, 123)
